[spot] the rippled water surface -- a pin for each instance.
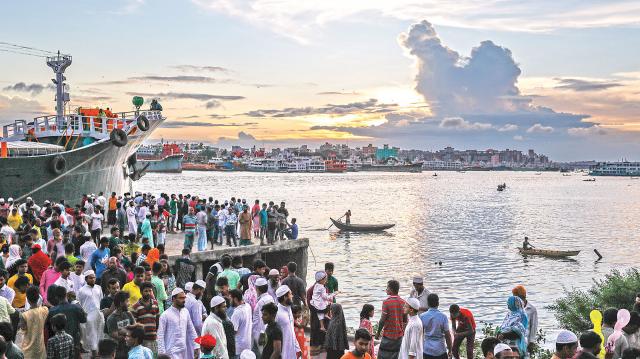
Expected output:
(456, 218)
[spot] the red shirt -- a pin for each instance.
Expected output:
(394, 324)
(464, 320)
(38, 262)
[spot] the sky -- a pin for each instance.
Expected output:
(560, 77)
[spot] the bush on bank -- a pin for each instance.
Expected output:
(616, 290)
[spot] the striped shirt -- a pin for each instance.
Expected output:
(394, 324)
(148, 317)
(189, 221)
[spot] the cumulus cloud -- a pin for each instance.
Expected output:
(508, 128)
(369, 106)
(244, 139)
(213, 104)
(539, 128)
(588, 131)
(585, 85)
(18, 108)
(33, 89)
(189, 96)
(459, 123)
(485, 82)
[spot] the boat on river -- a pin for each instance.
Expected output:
(360, 227)
(547, 253)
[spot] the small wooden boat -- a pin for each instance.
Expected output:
(589, 180)
(360, 227)
(547, 253)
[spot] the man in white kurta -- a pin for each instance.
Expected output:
(194, 304)
(284, 319)
(176, 334)
(213, 325)
(89, 297)
(131, 218)
(258, 326)
(241, 319)
(412, 341)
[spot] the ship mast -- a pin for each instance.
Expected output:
(59, 64)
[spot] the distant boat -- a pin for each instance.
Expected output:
(589, 180)
(538, 173)
(434, 175)
(360, 227)
(548, 253)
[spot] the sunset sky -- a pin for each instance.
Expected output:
(561, 77)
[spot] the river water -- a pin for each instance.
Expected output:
(458, 219)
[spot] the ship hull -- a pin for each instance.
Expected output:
(169, 164)
(414, 168)
(99, 167)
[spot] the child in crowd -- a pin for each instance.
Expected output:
(365, 323)
(321, 299)
(298, 327)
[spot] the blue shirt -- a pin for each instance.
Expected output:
(140, 352)
(435, 325)
(294, 231)
(99, 259)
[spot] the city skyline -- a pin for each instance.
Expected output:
(560, 78)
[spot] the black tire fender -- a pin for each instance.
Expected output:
(143, 123)
(118, 137)
(132, 160)
(58, 165)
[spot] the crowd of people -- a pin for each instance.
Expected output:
(67, 291)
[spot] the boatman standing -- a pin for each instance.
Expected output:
(347, 217)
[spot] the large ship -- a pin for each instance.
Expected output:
(66, 155)
(392, 165)
(166, 158)
(620, 169)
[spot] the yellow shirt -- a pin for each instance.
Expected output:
(14, 221)
(134, 293)
(20, 299)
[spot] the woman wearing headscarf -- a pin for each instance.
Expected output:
(251, 295)
(14, 255)
(514, 328)
(336, 340)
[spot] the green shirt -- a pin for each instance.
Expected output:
(332, 285)
(159, 292)
(113, 242)
(72, 259)
(232, 276)
(173, 207)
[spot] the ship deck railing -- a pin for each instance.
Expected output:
(97, 127)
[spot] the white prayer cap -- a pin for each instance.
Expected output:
(247, 354)
(261, 281)
(216, 301)
(282, 290)
(274, 272)
(500, 347)
(414, 303)
(176, 291)
(89, 272)
(566, 337)
(200, 283)
(320, 275)
(188, 286)
(418, 280)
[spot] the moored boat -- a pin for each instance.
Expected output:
(360, 227)
(547, 253)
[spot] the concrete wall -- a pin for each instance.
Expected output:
(275, 256)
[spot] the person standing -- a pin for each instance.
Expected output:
(89, 297)
(245, 226)
(242, 321)
(391, 323)
(365, 323)
(284, 318)
(229, 273)
(195, 306)
(184, 269)
(513, 330)
(213, 326)
(118, 321)
(201, 220)
(147, 313)
(436, 331)
(419, 292)
(412, 346)
(135, 338)
(176, 333)
(362, 340)
(336, 340)
(146, 230)
(159, 292)
(532, 314)
(189, 222)
(61, 344)
(231, 221)
(264, 220)
(131, 218)
(296, 284)
(113, 206)
(464, 327)
(38, 262)
(332, 282)
(566, 345)
(591, 344)
(31, 326)
(121, 219)
(96, 223)
(73, 313)
(255, 217)
(99, 258)
(273, 333)
(258, 325)
(112, 271)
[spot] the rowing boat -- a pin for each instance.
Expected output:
(547, 253)
(360, 227)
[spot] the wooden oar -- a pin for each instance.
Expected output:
(336, 220)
